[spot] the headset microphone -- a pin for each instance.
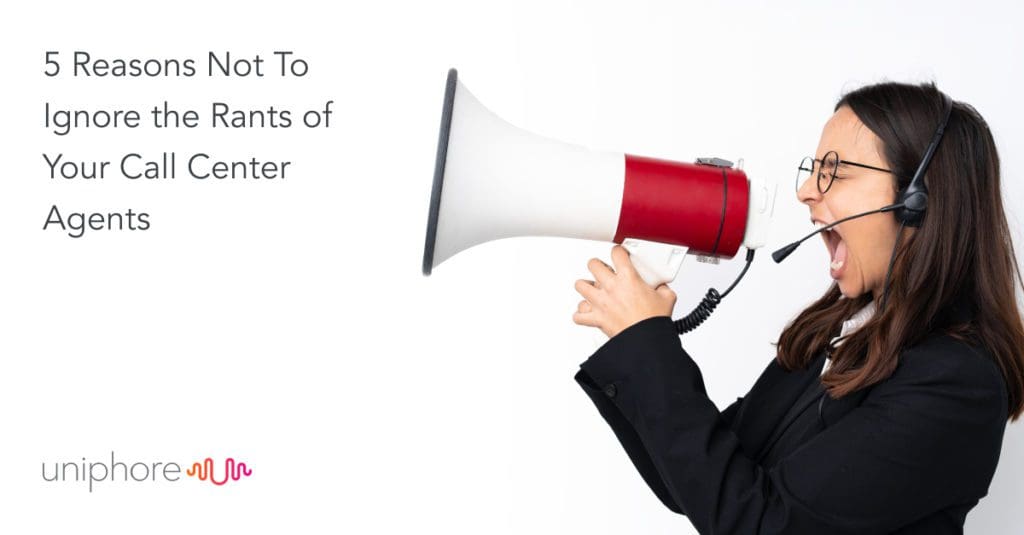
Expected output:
(783, 252)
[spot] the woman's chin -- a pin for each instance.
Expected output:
(849, 291)
(847, 280)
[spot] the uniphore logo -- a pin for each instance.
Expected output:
(233, 470)
(93, 472)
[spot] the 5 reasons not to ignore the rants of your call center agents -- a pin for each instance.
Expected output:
(134, 166)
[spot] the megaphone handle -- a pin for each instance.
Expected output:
(655, 262)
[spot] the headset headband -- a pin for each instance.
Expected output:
(915, 197)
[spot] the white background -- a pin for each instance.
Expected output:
(287, 323)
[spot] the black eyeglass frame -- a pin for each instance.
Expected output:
(839, 161)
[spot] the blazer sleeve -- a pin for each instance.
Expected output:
(631, 442)
(926, 438)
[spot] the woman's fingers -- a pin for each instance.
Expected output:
(585, 318)
(602, 272)
(587, 290)
(585, 313)
(623, 264)
(619, 297)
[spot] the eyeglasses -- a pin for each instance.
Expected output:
(827, 167)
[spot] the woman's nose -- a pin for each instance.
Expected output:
(808, 191)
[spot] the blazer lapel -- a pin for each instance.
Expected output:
(833, 410)
(768, 415)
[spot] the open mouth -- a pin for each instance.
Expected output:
(836, 250)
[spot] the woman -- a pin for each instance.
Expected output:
(872, 418)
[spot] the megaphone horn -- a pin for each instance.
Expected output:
(494, 180)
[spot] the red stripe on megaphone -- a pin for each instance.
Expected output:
(702, 207)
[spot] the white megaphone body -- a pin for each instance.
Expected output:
(493, 180)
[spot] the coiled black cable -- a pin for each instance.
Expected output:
(707, 305)
(699, 314)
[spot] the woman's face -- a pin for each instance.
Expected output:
(859, 249)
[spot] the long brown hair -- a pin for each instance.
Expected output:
(961, 255)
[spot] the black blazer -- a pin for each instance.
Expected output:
(911, 454)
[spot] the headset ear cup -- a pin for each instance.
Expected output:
(914, 205)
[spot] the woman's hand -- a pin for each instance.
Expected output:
(619, 298)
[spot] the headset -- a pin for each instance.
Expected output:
(912, 202)
(914, 199)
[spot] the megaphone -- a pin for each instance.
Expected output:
(494, 180)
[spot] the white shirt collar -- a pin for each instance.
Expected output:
(858, 319)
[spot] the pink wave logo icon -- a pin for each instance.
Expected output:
(233, 471)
